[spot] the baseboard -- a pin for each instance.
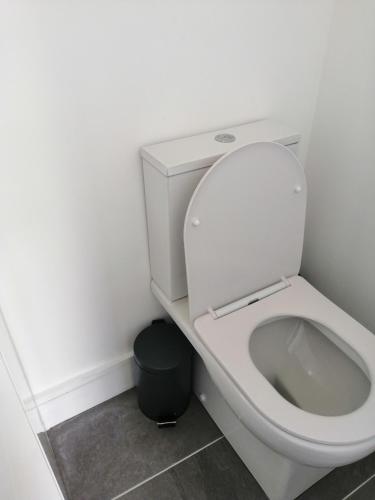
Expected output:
(81, 393)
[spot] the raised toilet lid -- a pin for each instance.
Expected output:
(244, 226)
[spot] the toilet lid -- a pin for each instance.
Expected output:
(244, 225)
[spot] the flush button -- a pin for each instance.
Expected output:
(195, 221)
(225, 138)
(297, 189)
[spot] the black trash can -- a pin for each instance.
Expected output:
(164, 357)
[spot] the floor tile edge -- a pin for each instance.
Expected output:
(121, 495)
(346, 497)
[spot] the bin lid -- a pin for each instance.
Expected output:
(161, 347)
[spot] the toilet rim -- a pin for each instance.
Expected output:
(303, 301)
(363, 365)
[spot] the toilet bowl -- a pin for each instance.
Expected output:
(298, 372)
(295, 370)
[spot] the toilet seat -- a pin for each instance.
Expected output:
(227, 340)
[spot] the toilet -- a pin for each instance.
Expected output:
(284, 372)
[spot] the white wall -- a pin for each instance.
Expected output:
(24, 470)
(89, 82)
(339, 254)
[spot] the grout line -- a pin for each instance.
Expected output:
(166, 469)
(346, 497)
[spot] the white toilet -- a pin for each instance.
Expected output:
(286, 374)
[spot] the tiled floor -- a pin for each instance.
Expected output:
(114, 452)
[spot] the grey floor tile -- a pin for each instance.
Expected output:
(366, 492)
(45, 442)
(341, 481)
(112, 447)
(216, 473)
(163, 487)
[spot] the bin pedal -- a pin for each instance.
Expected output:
(166, 423)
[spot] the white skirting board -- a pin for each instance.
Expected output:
(81, 393)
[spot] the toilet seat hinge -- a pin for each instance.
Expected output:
(249, 299)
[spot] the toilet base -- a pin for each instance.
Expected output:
(279, 477)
